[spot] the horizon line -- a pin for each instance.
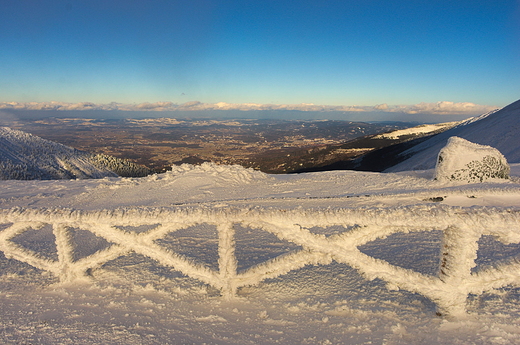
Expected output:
(437, 108)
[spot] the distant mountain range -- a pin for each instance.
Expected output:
(27, 157)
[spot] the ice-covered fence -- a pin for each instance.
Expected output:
(462, 228)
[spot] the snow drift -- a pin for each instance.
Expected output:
(215, 173)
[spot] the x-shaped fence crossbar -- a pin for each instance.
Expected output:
(462, 229)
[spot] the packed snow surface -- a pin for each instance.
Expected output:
(148, 281)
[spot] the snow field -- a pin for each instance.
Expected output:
(233, 231)
(141, 230)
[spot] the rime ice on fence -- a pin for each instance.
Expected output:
(462, 229)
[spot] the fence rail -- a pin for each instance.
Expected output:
(462, 228)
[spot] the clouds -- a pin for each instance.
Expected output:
(437, 108)
(56, 106)
(158, 106)
(383, 106)
(445, 108)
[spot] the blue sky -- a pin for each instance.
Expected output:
(358, 52)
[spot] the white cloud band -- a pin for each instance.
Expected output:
(439, 108)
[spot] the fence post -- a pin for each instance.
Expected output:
(458, 255)
(227, 261)
(65, 251)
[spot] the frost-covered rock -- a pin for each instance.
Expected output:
(462, 160)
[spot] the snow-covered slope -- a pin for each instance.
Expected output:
(418, 131)
(26, 157)
(136, 299)
(498, 129)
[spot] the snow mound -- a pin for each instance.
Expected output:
(462, 160)
(225, 174)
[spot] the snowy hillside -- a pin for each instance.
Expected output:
(26, 157)
(226, 255)
(498, 129)
(418, 131)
